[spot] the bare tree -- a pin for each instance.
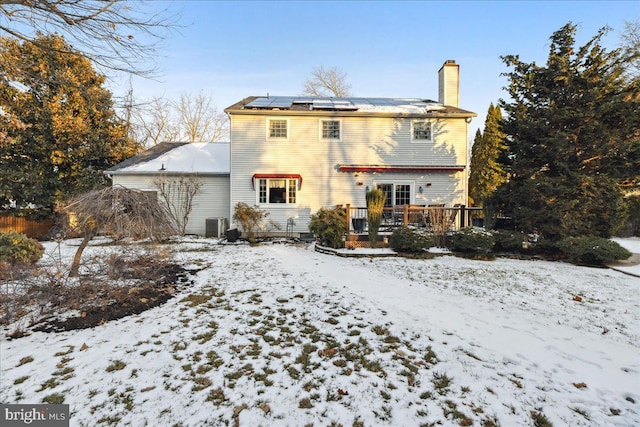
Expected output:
(631, 45)
(178, 193)
(115, 34)
(152, 122)
(117, 212)
(325, 82)
(199, 118)
(191, 118)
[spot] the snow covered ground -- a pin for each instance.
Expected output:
(281, 335)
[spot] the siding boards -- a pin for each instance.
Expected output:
(365, 141)
(212, 201)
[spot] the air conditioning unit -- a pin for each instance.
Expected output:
(215, 227)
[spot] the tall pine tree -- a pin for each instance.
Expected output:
(573, 132)
(58, 128)
(487, 172)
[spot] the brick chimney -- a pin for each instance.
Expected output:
(449, 84)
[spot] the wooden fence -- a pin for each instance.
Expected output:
(36, 229)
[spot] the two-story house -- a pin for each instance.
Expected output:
(293, 155)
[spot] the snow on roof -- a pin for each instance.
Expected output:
(197, 157)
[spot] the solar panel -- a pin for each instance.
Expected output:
(282, 102)
(259, 103)
(413, 105)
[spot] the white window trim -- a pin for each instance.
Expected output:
(410, 183)
(277, 138)
(276, 205)
(421, 141)
(320, 121)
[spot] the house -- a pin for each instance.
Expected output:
(293, 155)
(206, 163)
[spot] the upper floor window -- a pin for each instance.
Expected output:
(330, 129)
(421, 130)
(278, 128)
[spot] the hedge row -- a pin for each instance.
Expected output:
(584, 250)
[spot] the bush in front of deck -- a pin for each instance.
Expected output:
(329, 226)
(509, 241)
(405, 239)
(471, 240)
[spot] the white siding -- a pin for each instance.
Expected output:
(365, 141)
(212, 201)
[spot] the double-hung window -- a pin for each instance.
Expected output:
(277, 191)
(421, 131)
(278, 128)
(330, 130)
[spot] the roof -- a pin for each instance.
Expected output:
(305, 105)
(205, 158)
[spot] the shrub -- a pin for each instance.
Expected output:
(471, 240)
(329, 226)
(375, 206)
(509, 241)
(405, 239)
(590, 250)
(16, 248)
(250, 219)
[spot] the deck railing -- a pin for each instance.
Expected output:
(455, 217)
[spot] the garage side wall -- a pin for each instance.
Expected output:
(212, 201)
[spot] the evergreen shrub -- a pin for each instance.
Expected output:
(471, 240)
(590, 250)
(16, 248)
(509, 241)
(405, 239)
(329, 226)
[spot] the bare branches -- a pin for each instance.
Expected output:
(199, 118)
(112, 33)
(325, 82)
(118, 212)
(191, 118)
(153, 123)
(178, 194)
(631, 45)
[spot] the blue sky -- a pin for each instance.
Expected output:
(389, 49)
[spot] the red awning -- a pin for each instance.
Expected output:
(276, 176)
(404, 168)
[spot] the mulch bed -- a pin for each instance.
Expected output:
(105, 302)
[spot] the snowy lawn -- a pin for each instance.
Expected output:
(280, 335)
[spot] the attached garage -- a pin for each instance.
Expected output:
(175, 162)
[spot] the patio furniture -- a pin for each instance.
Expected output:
(358, 224)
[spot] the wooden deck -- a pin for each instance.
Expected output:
(432, 218)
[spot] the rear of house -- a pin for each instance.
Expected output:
(293, 155)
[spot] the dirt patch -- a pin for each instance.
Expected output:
(100, 303)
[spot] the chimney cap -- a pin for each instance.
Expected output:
(450, 61)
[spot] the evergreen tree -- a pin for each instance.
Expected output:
(58, 128)
(486, 171)
(573, 132)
